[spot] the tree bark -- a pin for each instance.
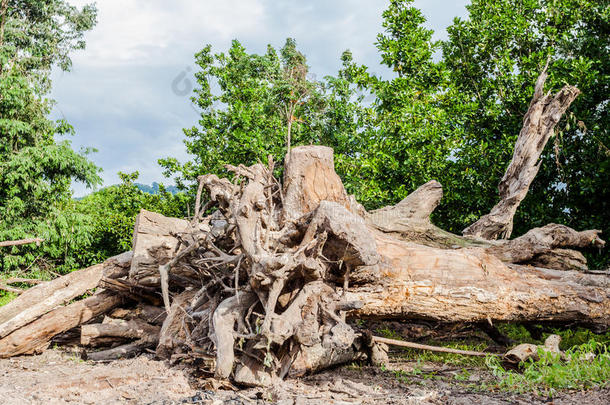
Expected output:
(44, 297)
(543, 114)
(469, 285)
(36, 335)
(132, 329)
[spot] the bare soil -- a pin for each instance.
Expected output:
(59, 377)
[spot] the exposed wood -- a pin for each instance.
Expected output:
(518, 354)
(44, 297)
(132, 329)
(310, 178)
(546, 241)
(154, 243)
(549, 246)
(538, 126)
(471, 285)
(402, 343)
(20, 242)
(36, 335)
(147, 313)
(410, 220)
(14, 280)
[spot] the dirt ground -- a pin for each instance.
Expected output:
(59, 377)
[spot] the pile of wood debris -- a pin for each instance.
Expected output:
(266, 278)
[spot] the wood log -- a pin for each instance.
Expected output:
(469, 285)
(147, 313)
(36, 335)
(29, 241)
(44, 297)
(120, 352)
(538, 125)
(132, 329)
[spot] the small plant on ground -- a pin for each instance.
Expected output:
(583, 366)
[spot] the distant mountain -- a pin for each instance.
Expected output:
(154, 188)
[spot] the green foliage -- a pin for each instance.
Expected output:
(409, 137)
(551, 373)
(6, 297)
(493, 59)
(250, 104)
(447, 358)
(36, 169)
(112, 213)
(569, 337)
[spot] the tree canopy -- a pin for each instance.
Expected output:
(36, 167)
(450, 111)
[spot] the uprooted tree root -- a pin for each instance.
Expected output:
(268, 301)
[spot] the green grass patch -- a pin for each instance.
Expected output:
(569, 337)
(6, 297)
(552, 373)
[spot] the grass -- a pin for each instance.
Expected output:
(552, 373)
(6, 297)
(569, 337)
(409, 354)
(546, 376)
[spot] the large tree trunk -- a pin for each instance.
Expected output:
(469, 284)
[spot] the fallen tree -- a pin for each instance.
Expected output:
(263, 281)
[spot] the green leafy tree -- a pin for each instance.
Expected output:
(455, 116)
(112, 212)
(36, 169)
(494, 57)
(253, 106)
(408, 136)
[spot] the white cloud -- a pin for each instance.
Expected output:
(144, 32)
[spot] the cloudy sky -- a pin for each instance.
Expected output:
(126, 95)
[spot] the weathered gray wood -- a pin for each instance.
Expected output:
(154, 244)
(131, 329)
(310, 178)
(470, 285)
(120, 352)
(538, 125)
